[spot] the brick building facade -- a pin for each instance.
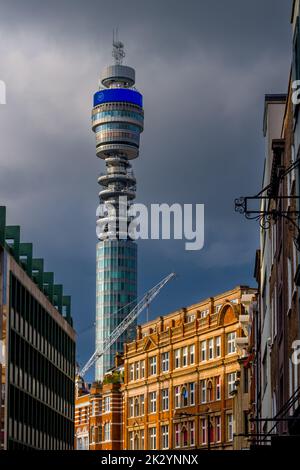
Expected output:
(180, 377)
(177, 384)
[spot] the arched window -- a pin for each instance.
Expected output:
(184, 433)
(136, 442)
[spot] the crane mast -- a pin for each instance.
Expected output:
(126, 322)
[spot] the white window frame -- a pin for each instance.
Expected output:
(177, 434)
(192, 433)
(211, 348)
(153, 365)
(185, 356)
(218, 387)
(231, 346)
(131, 372)
(165, 436)
(165, 362)
(131, 407)
(204, 431)
(152, 402)
(165, 399)
(137, 371)
(152, 438)
(231, 379)
(177, 362)
(218, 428)
(218, 346)
(203, 391)
(192, 354)
(107, 432)
(177, 393)
(106, 404)
(203, 350)
(142, 369)
(192, 387)
(142, 405)
(229, 427)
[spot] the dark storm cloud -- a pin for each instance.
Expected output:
(203, 68)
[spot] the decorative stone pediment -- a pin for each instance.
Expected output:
(149, 344)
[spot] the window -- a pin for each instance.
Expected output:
(229, 427)
(209, 391)
(204, 313)
(131, 407)
(79, 443)
(218, 388)
(142, 434)
(177, 397)
(177, 358)
(106, 404)
(93, 408)
(203, 431)
(184, 397)
(211, 349)
(142, 369)
(184, 435)
(142, 398)
(191, 318)
(192, 433)
(192, 393)
(231, 343)
(152, 365)
(177, 435)
(165, 437)
(231, 378)
(107, 432)
(152, 438)
(137, 371)
(152, 402)
(192, 354)
(131, 440)
(203, 391)
(165, 399)
(185, 356)
(165, 362)
(131, 374)
(218, 346)
(218, 428)
(203, 350)
(136, 407)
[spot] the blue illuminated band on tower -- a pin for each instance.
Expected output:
(117, 121)
(125, 95)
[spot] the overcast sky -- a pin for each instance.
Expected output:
(203, 68)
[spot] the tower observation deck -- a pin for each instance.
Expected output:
(117, 120)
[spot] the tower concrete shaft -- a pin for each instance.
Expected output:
(117, 120)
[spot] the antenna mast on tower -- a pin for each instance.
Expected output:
(118, 52)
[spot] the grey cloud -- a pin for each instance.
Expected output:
(203, 68)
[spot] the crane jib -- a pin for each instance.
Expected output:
(135, 312)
